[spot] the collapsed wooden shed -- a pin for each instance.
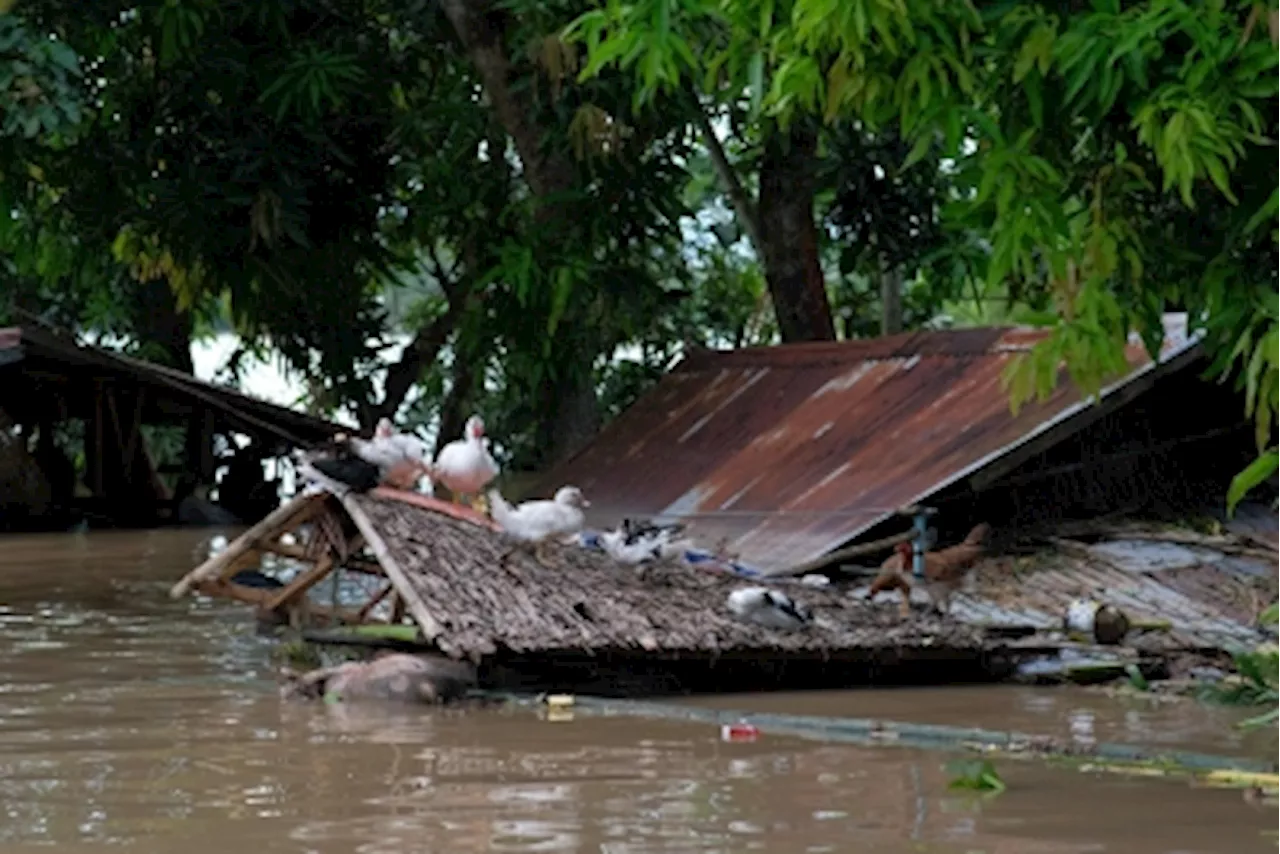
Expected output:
(582, 618)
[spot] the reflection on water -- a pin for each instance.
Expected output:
(128, 718)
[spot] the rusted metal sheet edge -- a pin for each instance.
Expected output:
(1171, 362)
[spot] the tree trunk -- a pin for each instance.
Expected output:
(890, 300)
(158, 320)
(570, 415)
(790, 238)
(570, 409)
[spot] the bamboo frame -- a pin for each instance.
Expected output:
(218, 567)
(354, 564)
(301, 584)
(426, 623)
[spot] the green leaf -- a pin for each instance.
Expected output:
(1271, 615)
(1254, 474)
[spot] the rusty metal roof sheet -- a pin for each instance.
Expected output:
(791, 451)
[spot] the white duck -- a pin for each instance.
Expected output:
(770, 608)
(465, 465)
(538, 521)
(401, 457)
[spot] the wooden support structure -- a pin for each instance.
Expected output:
(395, 573)
(220, 566)
(301, 584)
(374, 602)
(295, 552)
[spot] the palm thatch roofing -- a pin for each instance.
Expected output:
(471, 603)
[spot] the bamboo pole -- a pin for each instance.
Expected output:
(373, 602)
(300, 585)
(845, 554)
(278, 520)
(395, 573)
(355, 564)
(259, 596)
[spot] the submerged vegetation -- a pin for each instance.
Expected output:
(1257, 682)
(977, 775)
(551, 202)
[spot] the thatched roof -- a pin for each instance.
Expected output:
(475, 606)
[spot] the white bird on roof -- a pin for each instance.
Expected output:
(402, 458)
(769, 608)
(540, 520)
(465, 465)
(398, 459)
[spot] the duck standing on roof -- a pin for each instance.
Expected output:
(396, 459)
(536, 522)
(466, 466)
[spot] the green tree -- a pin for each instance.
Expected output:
(1120, 159)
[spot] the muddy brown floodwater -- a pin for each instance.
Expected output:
(129, 718)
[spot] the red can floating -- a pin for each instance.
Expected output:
(739, 732)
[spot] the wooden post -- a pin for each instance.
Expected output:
(417, 608)
(300, 585)
(284, 517)
(96, 458)
(373, 602)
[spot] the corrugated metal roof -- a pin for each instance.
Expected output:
(791, 451)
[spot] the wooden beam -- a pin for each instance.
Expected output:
(395, 573)
(373, 603)
(355, 564)
(844, 554)
(135, 424)
(301, 584)
(282, 518)
(95, 464)
(259, 596)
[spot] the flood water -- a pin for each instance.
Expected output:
(128, 718)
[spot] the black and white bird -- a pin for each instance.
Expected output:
(361, 464)
(769, 608)
(644, 542)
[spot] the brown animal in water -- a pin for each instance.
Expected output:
(394, 677)
(944, 570)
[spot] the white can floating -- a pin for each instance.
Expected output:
(1104, 623)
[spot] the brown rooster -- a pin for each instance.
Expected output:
(944, 570)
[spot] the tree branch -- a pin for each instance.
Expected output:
(742, 203)
(422, 351)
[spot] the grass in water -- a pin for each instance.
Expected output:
(1258, 683)
(975, 775)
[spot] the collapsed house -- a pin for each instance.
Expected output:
(52, 387)
(791, 456)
